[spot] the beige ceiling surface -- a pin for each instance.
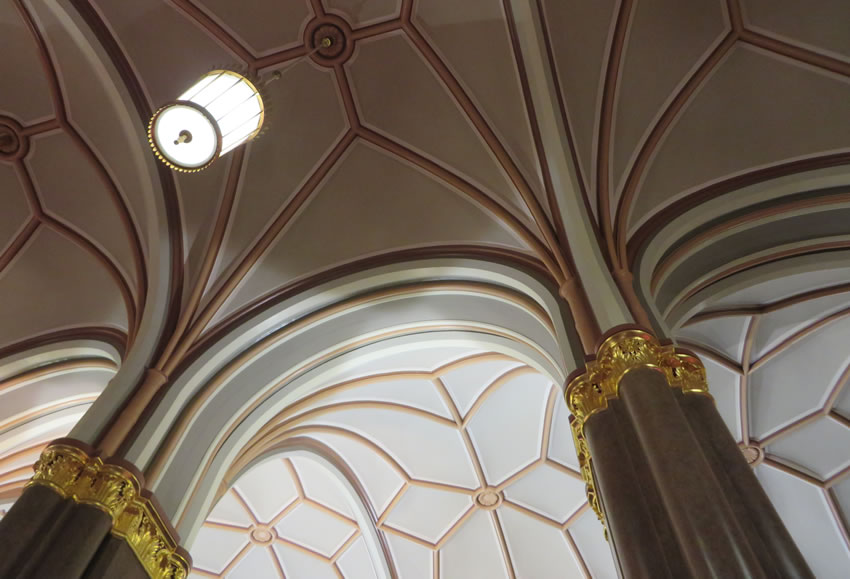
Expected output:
(424, 433)
(432, 109)
(423, 143)
(667, 99)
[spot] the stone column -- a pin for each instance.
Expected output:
(663, 473)
(82, 517)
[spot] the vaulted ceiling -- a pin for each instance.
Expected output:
(703, 144)
(456, 493)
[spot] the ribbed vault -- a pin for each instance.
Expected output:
(462, 167)
(424, 434)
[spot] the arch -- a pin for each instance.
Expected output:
(283, 353)
(43, 392)
(148, 189)
(349, 486)
(723, 238)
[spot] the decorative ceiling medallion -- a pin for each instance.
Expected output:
(488, 498)
(262, 535)
(753, 453)
(13, 144)
(330, 39)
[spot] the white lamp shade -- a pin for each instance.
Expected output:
(218, 113)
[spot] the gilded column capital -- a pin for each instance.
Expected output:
(69, 471)
(623, 352)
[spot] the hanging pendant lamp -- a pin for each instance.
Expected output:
(218, 113)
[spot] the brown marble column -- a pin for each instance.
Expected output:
(629, 500)
(82, 517)
(768, 536)
(675, 493)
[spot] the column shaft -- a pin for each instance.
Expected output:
(627, 508)
(81, 516)
(27, 526)
(79, 536)
(708, 534)
(770, 539)
(677, 496)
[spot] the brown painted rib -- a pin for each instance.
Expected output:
(223, 215)
(376, 29)
(406, 12)
(41, 127)
(667, 214)
(318, 8)
(18, 243)
(258, 249)
(234, 319)
(659, 130)
(130, 227)
(795, 52)
(531, 117)
(606, 121)
(494, 144)
(280, 57)
(345, 92)
(479, 197)
(733, 11)
(790, 207)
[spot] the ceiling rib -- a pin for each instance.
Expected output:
(531, 118)
(295, 421)
(627, 247)
(256, 252)
(744, 368)
(602, 157)
(223, 216)
(41, 217)
(659, 130)
(495, 145)
(130, 227)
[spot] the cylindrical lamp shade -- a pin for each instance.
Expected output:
(218, 113)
